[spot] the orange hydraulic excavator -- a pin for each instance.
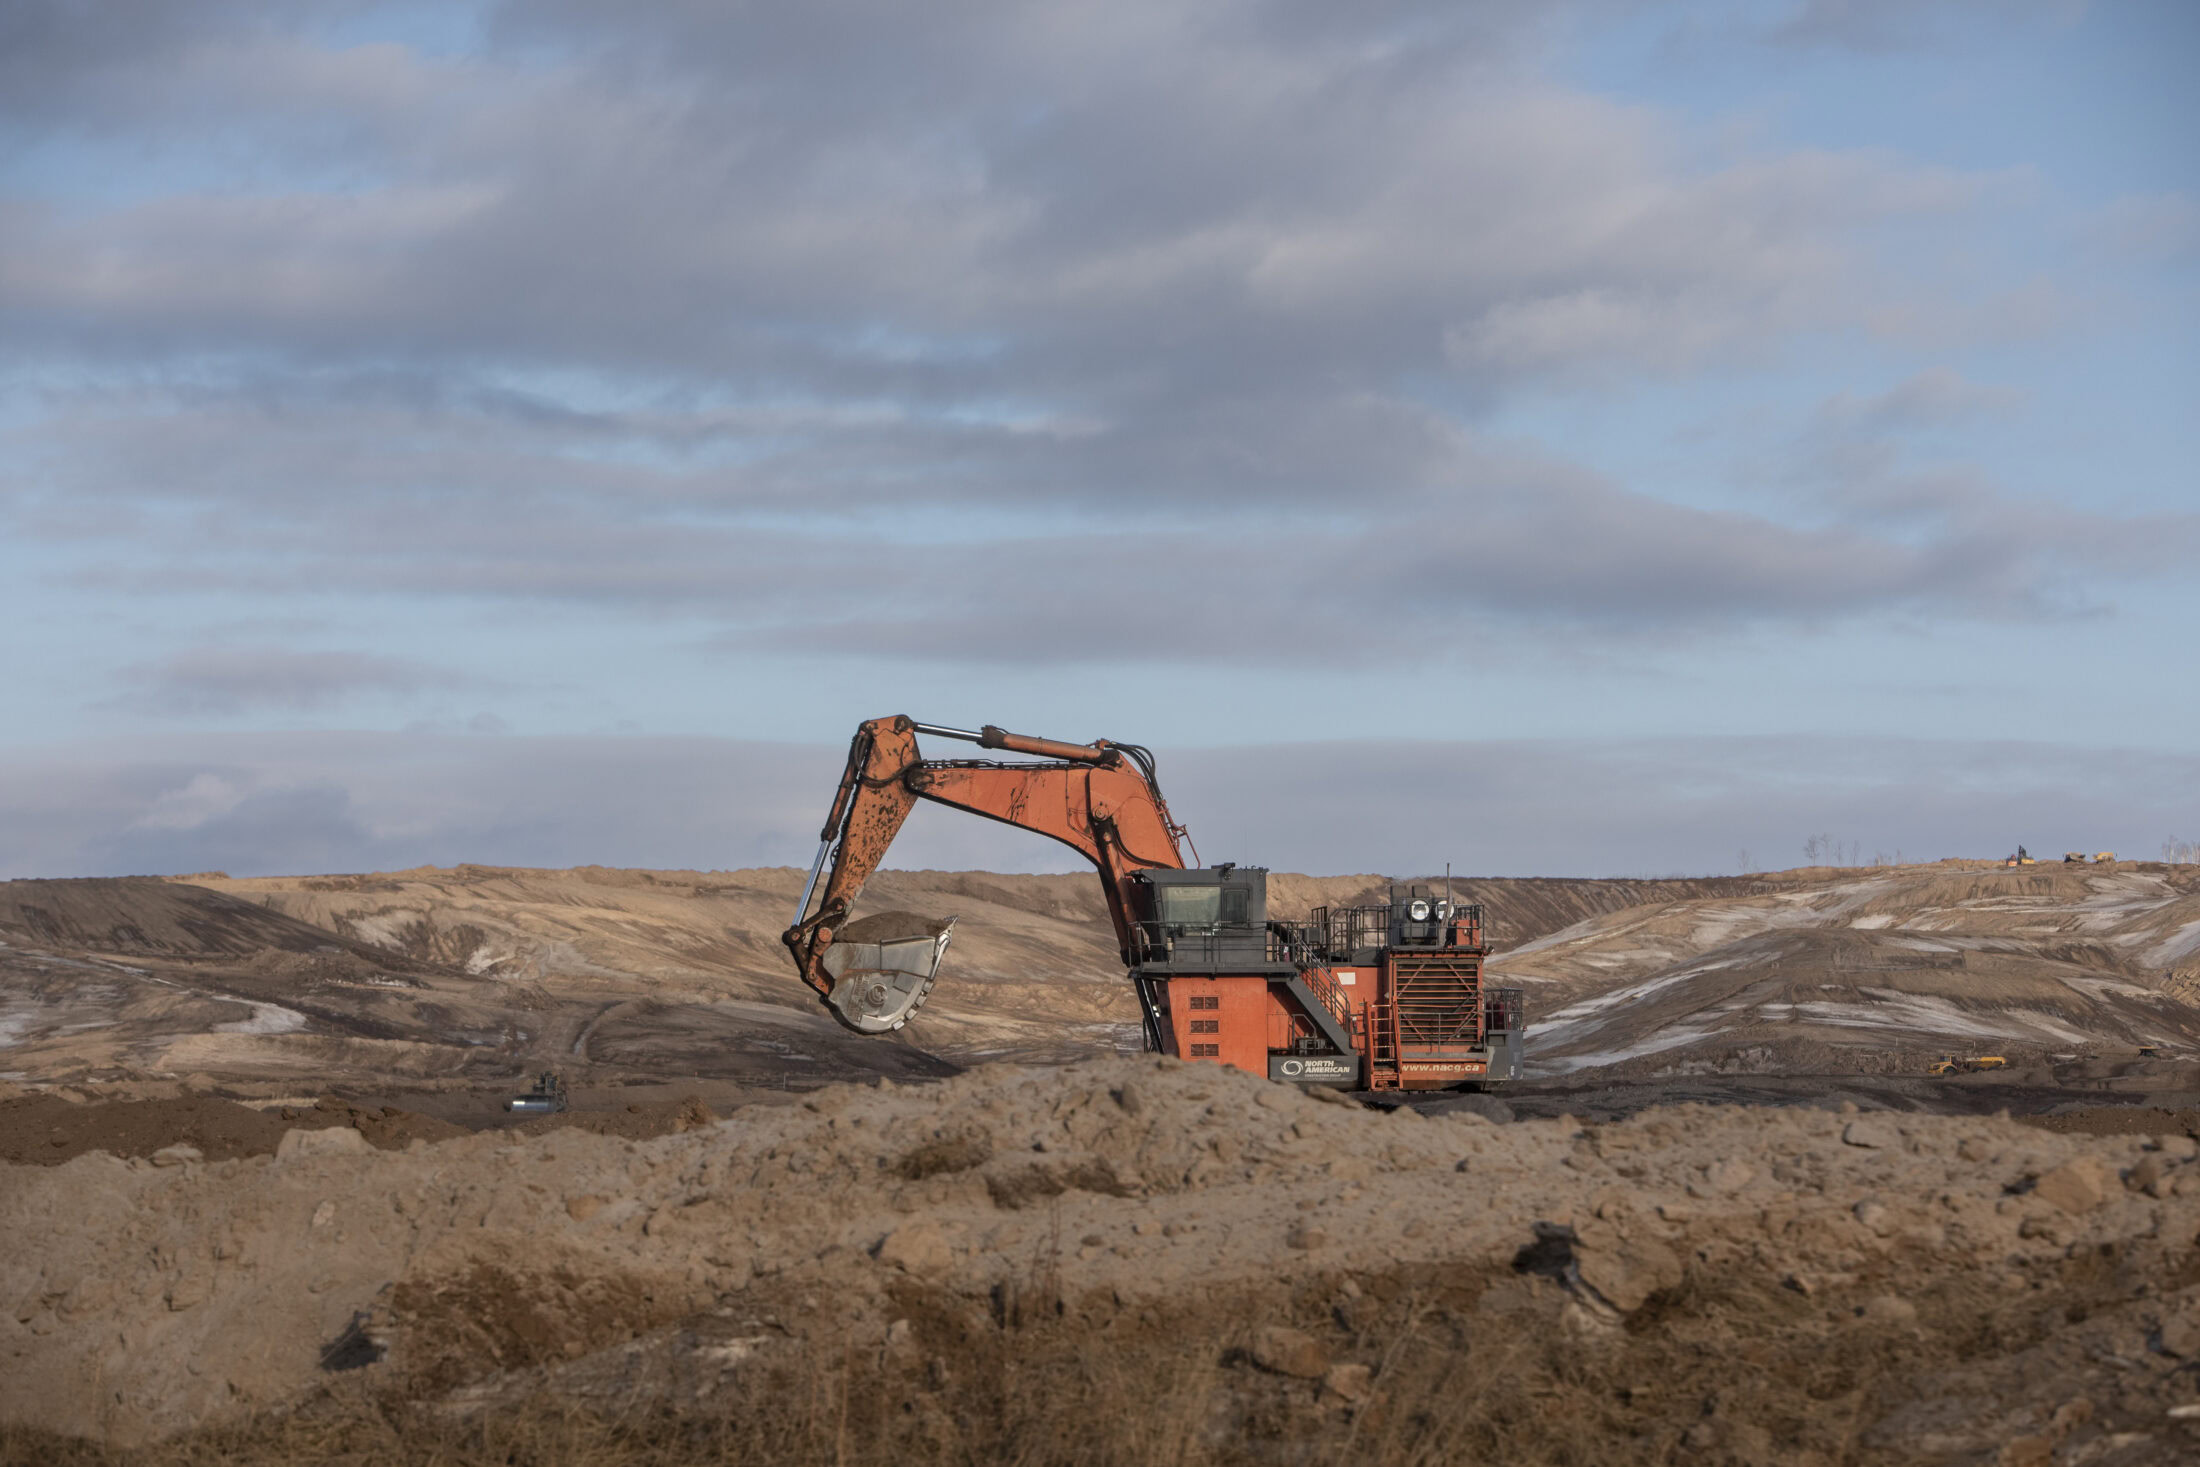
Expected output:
(1388, 996)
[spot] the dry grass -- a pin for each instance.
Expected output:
(1467, 1368)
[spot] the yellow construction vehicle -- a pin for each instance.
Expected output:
(1949, 1064)
(2023, 857)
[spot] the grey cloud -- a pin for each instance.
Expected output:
(1453, 531)
(1493, 565)
(1904, 25)
(304, 828)
(237, 679)
(1114, 216)
(1239, 198)
(1930, 399)
(1858, 458)
(672, 306)
(348, 802)
(1657, 807)
(267, 803)
(56, 52)
(2149, 229)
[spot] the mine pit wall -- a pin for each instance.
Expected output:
(142, 1298)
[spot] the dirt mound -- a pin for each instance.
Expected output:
(1393, 1367)
(148, 916)
(639, 1122)
(1034, 975)
(41, 1130)
(1874, 970)
(194, 989)
(1840, 969)
(1519, 910)
(472, 974)
(2119, 1120)
(891, 927)
(1731, 1270)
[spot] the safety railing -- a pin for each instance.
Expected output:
(1507, 1009)
(1219, 948)
(1329, 993)
(1337, 933)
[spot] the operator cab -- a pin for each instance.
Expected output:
(1206, 919)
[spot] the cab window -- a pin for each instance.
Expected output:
(1191, 906)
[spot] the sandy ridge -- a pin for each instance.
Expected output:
(149, 1295)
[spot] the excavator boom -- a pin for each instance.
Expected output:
(1100, 799)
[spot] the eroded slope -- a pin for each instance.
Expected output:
(1873, 969)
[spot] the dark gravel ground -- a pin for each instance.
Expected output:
(2022, 1095)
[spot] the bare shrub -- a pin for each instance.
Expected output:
(945, 1154)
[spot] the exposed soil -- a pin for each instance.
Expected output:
(478, 976)
(44, 1130)
(2029, 1092)
(1415, 1366)
(2120, 1120)
(147, 916)
(974, 1270)
(40, 1130)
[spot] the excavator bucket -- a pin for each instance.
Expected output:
(883, 968)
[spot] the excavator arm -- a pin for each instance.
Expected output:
(1100, 799)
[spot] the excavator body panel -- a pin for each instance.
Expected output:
(1389, 996)
(1222, 1017)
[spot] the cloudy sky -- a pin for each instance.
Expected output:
(1560, 435)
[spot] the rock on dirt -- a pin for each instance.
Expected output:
(1625, 1269)
(327, 1141)
(1872, 1132)
(1890, 1309)
(921, 1248)
(2179, 1335)
(1287, 1351)
(2077, 1186)
(1349, 1382)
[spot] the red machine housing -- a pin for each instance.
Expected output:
(1368, 997)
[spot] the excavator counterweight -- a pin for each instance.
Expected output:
(1385, 996)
